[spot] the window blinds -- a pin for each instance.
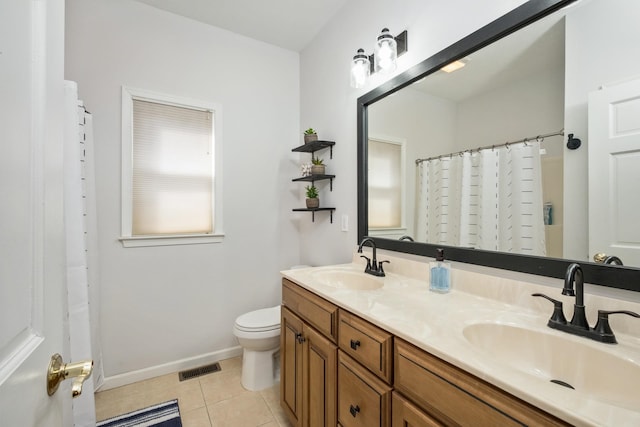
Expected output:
(173, 174)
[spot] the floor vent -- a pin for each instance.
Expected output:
(197, 372)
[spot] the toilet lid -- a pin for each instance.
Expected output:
(260, 320)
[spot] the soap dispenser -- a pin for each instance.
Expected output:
(440, 274)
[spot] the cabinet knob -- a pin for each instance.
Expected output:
(300, 338)
(354, 410)
(355, 344)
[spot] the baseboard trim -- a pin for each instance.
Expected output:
(167, 368)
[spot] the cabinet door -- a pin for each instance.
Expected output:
(319, 379)
(291, 359)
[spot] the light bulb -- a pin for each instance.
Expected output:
(360, 69)
(386, 52)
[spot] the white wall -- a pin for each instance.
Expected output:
(160, 305)
(425, 123)
(600, 38)
(328, 103)
(524, 108)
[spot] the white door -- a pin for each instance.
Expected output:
(32, 277)
(614, 172)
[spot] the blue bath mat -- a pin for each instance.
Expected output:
(162, 415)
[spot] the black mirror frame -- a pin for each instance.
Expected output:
(619, 277)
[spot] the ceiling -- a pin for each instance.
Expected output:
(531, 50)
(290, 24)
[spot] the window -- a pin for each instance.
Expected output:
(386, 188)
(171, 157)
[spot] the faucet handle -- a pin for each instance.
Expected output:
(368, 261)
(380, 269)
(603, 329)
(558, 315)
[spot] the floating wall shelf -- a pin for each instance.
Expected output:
(312, 147)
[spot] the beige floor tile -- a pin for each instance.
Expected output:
(233, 364)
(272, 397)
(195, 395)
(190, 396)
(242, 411)
(195, 418)
(222, 386)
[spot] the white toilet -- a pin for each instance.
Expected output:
(258, 333)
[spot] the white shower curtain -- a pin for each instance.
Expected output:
(488, 199)
(81, 250)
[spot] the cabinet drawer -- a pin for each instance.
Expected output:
(406, 414)
(455, 397)
(363, 399)
(316, 311)
(366, 343)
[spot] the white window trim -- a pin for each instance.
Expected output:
(128, 94)
(402, 142)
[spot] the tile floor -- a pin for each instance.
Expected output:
(213, 400)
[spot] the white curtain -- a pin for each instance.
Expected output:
(81, 249)
(488, 199)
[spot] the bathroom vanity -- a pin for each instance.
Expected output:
(359, 350)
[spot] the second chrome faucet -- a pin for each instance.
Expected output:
(374, 267)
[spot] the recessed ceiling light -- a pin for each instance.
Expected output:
(455, 65)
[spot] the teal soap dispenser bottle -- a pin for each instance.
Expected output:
(440, 274)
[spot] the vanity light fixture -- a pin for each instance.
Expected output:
(383, 60)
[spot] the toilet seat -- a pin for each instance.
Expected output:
(266, 319)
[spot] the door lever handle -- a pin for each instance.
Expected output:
(59, 371)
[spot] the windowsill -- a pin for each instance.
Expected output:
(182, 239)
(387, 231)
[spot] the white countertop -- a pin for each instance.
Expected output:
(405, 307)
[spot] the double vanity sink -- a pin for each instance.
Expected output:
(499, 336)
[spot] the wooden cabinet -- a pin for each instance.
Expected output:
(308, 358)
(363, 399)
(455, 397)
(376, 379)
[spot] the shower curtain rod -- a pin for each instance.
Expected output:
(506, 144)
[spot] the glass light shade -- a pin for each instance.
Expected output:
(386, 52)
(360, 69)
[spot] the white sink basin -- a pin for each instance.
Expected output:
(348, 279)
(597, 372)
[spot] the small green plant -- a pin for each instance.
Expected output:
(312, 192)
(309, 131)
(317, 161)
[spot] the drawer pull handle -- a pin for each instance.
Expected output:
(355, 344)
(354, 410)
(300, 338)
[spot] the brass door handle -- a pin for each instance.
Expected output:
(599, 257)
(59, 371)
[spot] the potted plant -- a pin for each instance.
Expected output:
(312, 197)
(318, 167)
(310, 135)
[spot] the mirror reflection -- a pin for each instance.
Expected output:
(477, 157)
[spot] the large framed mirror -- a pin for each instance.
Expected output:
(429, 139)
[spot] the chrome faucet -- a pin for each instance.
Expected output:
(405, 237)
(579, 325)
(373, 266)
